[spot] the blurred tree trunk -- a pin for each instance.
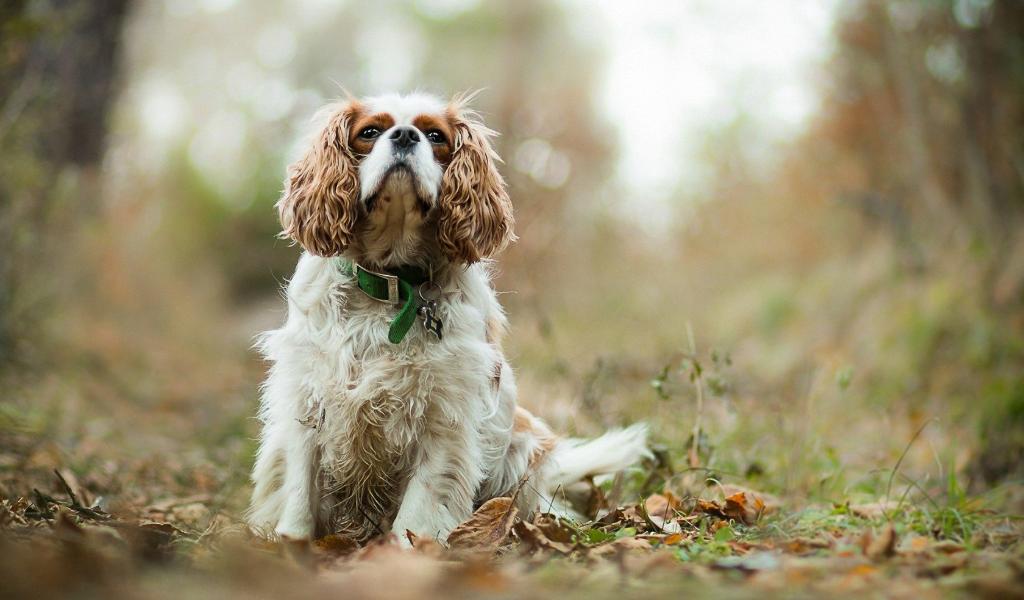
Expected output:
(58, 73)
(916, 143)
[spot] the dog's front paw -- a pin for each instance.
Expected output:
(287, 535)
(293, 531)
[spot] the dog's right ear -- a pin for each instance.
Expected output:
(320, 204)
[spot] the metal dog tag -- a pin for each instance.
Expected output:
(429, 293)
(430, 321)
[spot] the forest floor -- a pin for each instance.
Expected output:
(169, 526)
(145, 499)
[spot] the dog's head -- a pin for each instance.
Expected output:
(399, 179)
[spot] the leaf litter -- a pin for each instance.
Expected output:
(54, 542)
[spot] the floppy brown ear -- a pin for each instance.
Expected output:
(476, 213)
(320, 204)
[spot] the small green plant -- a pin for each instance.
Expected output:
(688, 371)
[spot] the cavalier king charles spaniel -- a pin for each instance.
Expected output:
(389, 406)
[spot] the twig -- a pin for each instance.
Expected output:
(699, 383)
(67, 489)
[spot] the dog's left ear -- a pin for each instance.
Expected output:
(476, 214)
(320, 204)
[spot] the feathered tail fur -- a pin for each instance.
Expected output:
(571, 460)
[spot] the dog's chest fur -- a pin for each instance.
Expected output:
(376, 405)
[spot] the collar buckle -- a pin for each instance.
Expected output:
(392, 281)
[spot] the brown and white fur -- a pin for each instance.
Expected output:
(361, 436)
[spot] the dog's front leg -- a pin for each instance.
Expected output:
(440, 493)
(299, 485)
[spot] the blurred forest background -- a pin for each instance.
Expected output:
(844, 279)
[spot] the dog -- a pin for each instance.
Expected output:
(388, 405)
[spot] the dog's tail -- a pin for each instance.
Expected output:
(538, 465)
(573, 459)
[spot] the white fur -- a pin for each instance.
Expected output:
(361, 436)
(403, 109)
(574, 459)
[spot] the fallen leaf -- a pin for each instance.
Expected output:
(554, 528)
(662, 505)
(743, 508)
(623, 516)
(488, 528)
(535, 539)
(673, 539)
(710, 507)
(771, 503)
(882, 546)
(335, 545)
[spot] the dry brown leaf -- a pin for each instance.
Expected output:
(744, 508)
(673, 539)
(335, 545)
(710, 507)
(553, 528)
(771, 503)
(882, 546)
(623, 516)
(662, 505)
(535, 539)
(488, 528)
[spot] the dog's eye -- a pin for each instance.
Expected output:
(369, 133)
(435, 136)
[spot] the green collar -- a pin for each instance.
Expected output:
(396, 288)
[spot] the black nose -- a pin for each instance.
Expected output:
(404, 137)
